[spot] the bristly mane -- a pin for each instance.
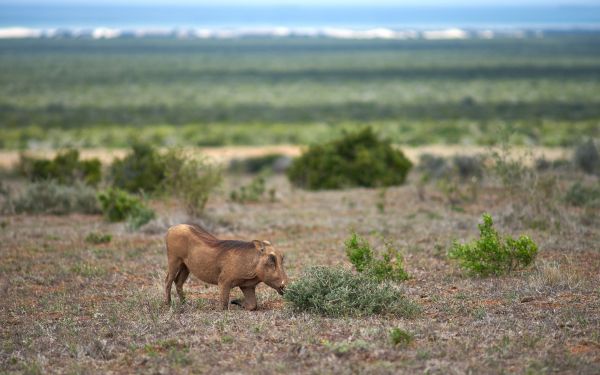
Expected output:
(216, 243)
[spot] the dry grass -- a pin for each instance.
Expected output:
(69, 306)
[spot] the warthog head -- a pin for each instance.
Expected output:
(270, 266)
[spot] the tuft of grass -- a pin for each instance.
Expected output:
(338, 292)
(98, 238)
(400, 337)
(491, 254)
(389, 267)
(87, 270)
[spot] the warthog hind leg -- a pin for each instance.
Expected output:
(182, 276)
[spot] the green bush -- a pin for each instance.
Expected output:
(98, 238)
(492, 254)
(338, 292)
(141, 170)
(581, 195)
(65, 168)
(191, 180)
(118, 205)
(400, 337)
(361, 255)
(49, 197)
(357, 159)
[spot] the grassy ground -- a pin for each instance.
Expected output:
(103, 93)
(74, 307)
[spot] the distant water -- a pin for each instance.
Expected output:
(138, 17)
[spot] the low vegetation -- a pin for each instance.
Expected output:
(338, 292)
(357, 159)
(50, 197)
(254, 191)
(492, 254)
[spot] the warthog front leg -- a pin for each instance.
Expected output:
(225, 288)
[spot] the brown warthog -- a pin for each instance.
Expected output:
(227, 263)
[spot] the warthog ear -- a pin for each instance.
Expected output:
(259, 245)
(267, 243)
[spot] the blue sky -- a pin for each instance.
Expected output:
(316, 2)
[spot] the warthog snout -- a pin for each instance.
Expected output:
(281, 289)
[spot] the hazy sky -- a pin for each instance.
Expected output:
(313, 2)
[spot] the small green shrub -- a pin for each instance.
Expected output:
(400, 337)
(491, 254)
(98, 238)
(141, 170)
(361, 255)
(118, 205)
(49, 197)
(583, 196)
(357, 159)
(359, 252)
(252, 192)
(338, 292)
(190, 179)
(587, 157)
(65, 168)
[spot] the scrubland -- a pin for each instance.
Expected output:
(83, 295)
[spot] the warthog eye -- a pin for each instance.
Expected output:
(272, 259)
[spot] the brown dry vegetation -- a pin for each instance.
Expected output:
(69, 306)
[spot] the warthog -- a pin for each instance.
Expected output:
(227, 263)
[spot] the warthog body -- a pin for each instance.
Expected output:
(227, 263)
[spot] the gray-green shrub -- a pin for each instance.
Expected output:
(49, 197)
(190, 179)
(491, 254)
(582, 195)
(336, 292)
